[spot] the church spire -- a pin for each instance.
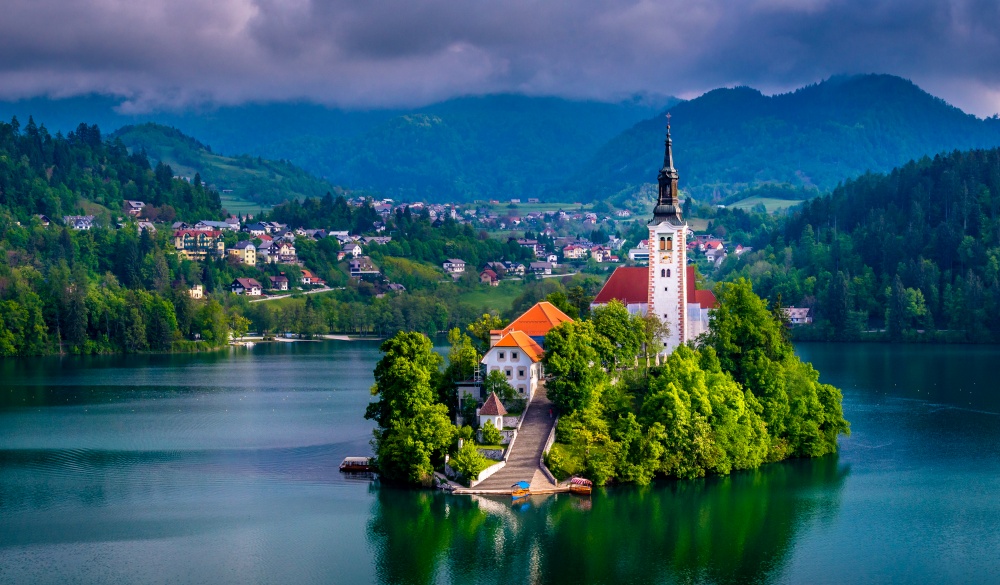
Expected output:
(667, 203)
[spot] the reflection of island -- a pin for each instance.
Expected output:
(733, 529)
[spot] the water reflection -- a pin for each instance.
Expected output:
(734, 529)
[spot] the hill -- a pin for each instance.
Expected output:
(914, 251)
(263, 181)
(729, 139)
(498, 146)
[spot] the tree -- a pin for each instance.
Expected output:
(413, 430)
(573, 361)
(496, 381)
(480, 330)
(469, 462)
(625, 333)
(239, 325)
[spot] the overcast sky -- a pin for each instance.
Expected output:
(364, 53)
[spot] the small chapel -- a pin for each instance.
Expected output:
(666, 287)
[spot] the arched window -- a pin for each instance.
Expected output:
(663, 243)
(668, 273)
(670, 244)
(663, 273)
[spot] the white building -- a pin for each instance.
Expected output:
(519, 357)
(492, 412)
(454, 266)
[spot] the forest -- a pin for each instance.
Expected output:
(913, 254)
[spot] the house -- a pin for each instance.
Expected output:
(396, 287)
(199, 244)
(256, 229)
(146, 225)
(79, 222)
(492, 411)
(266, 252)
(639, 255)
(133, 208)
(519, 357)
(246, 252)
(574, 252)
(541, 267)
(309, 278)
(352, 250)
(279, 282)
(196, 291)
(489, 277)
(515, 268)
(552, 259)
(798, 315)
(623, 213)
(214, 225)
(362, 266)
(247, 286)
(454, 266)
(44, 220)
(286, 252)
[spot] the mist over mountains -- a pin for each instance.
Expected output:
(511, 146)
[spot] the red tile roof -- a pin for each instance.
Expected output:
(492, 406)
(628, 284)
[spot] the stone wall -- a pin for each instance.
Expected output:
(494, 454)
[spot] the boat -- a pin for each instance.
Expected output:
(520, 489)
(580, 486)
(355, 464)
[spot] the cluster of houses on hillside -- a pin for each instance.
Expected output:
(713, 249)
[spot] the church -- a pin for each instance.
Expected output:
(666, 287)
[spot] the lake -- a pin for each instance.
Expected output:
(222, 468)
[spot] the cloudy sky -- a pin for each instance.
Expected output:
(363, 53)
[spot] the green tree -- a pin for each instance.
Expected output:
(573, 363)
(490, 434)
(624, 332)
(469, 462)
(496, 381)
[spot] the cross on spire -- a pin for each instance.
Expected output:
(668, 120)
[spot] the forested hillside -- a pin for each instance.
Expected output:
(915, 251)
(99, 289)
(250, 178)
(817, 136)
(497, 146)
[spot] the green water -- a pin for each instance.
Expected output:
(222, 469)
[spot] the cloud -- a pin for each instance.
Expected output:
(174, 53)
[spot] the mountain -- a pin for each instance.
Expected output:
(464, 148)
(914, 251)
(729, 139)
(263, 181)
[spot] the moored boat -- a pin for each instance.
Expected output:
(520, 489)
(580, 486)
(353, 464)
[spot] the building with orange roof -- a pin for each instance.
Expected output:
(492, 411)
(536, 322)
(519, 357)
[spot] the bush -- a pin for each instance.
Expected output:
(469, 462)
(490, 435)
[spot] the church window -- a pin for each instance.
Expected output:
(663, 243)
(666, 289)
(668, 273)
(663, 273)
(670, 243)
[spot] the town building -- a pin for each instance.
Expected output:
(489, 277)
(246, 286)
(199, 244)
(133, 208)
(309, 278)
(798, 315)
(454, 266)
(279, 282)
(519, 357)
(246, 252)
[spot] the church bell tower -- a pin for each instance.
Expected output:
(668, 254)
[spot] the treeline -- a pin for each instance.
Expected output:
(909, 255)
(81, 173)
(737, 399)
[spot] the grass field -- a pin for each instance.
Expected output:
(771, 205)
(500, 297)
(237, 206)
